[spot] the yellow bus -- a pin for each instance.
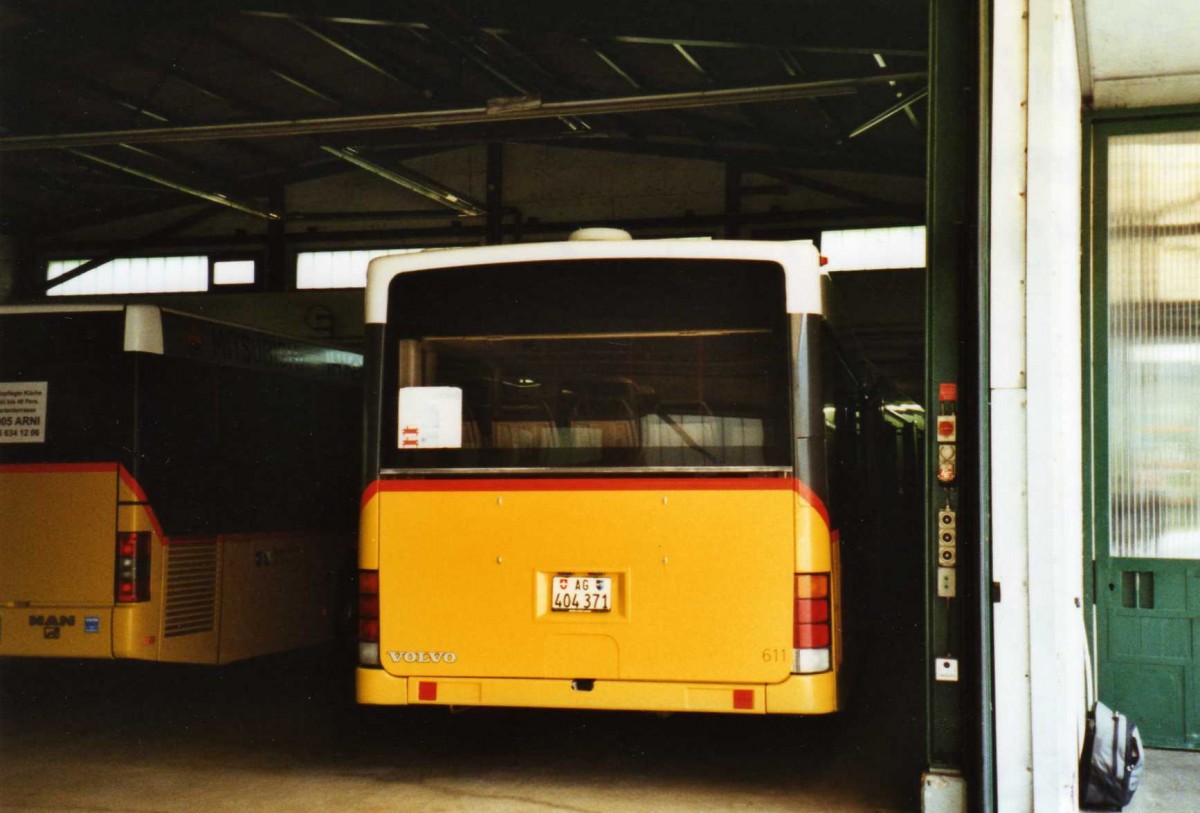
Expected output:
(171, 488)
(596, 478)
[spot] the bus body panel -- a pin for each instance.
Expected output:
(57, 578)
(56, 631)
(469, 572)
(798, 694)
(262, 577)
(52, 555)
(229, 451)
(137, 633)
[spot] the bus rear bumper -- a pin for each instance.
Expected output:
(799, 694)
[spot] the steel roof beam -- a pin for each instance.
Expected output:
(691, 60)
(211, 197)
(174, 163)
(446, 118)
(698, 122)
(479, 60)
(477, 229)
(354, 53)
(763, 46)
(794, 68)
(362, 53)
(131, 104)
(595, 32)
(340, 20)
(905, 104)
(412, 181)
(507, 40)
(276, 69)
(462, 41)
(608, 60)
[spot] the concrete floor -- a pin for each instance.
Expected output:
(1171, 783)
(283, 734)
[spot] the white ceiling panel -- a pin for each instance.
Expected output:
(1142, 53)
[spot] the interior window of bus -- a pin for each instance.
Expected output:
(590, 364)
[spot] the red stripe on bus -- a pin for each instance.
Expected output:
(57, 468)
(588, 484)
(133, 485)
(812, 499)
(369, 494)
(601, 484)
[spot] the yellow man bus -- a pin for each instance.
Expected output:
(171, 488)
(596, 474)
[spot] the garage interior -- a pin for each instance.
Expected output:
(276, 134)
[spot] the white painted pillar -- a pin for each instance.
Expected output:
(1010, 618)
(1036, 380)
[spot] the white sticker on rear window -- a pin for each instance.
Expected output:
(430, 418)
(23, 411)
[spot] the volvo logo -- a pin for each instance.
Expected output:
(422, 657)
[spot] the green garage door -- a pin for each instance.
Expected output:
(1147, 400)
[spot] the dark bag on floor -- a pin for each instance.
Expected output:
(1112, 762)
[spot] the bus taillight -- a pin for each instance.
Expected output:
(133, 567)
(368, 618)
(811, 630)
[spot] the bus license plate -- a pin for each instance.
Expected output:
(581, 594)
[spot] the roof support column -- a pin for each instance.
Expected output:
(958, 643)
(733, 200)
(495, 193)
(278, 274)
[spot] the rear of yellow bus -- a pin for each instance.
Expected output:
(593, 482)
(76, 535)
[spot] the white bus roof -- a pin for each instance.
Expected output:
(800, 261)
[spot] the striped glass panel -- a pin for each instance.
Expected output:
(1153, 263)
(339, 269)
(132, 275)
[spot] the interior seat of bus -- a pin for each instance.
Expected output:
(605, 422)
(523, 425)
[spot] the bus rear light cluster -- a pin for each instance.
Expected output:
(133, 567)
(811, 635)
(368, 618)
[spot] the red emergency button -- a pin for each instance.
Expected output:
(947, 429)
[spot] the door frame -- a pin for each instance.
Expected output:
(1098, 128)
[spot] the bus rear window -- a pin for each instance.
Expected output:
(662, 365)
(77, 362)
